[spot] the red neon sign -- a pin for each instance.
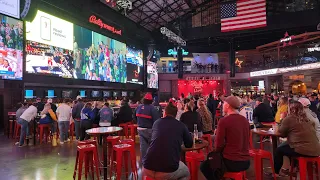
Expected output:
(93, 19)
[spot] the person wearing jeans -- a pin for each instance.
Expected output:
(87, 116)
(64, 114)
(145, 115)
(28, 115)
(76, 115)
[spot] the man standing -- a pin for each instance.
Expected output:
(145, 115)
(262, 112)
(212, 105)
(76, 115)
(28, 115)
(164, 163)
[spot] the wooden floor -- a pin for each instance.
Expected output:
(44, 162)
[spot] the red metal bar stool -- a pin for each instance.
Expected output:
(235, 175)
(89, 154)
(125, 128)
(258, 155)
(44, 128)
(305, 166)
(133, 131)
(133, 149)
(193, 160)
(71, 130)
(208, 138)
(11, 126)
(123, 150)
(111, 141)
(17, 129)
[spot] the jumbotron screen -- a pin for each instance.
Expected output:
(11, 46)
(134, 66)
(60, 48)
(152, 75)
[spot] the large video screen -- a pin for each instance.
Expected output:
(152, 75)
(60, 48)
(98, 57)
(11, 46)
(134, 66)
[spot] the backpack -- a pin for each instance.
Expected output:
(216, 164)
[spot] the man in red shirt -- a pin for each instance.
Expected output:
(232, 140)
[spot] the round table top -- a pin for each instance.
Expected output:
(265, 132)
(196, 146)
(103, 130)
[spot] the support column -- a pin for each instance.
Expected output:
(267, 85)
(232, 59)
(180, 62)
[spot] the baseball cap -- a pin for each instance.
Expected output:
(305, 102)
(148, 96)
(233, 101)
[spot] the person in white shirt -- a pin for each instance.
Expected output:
(64, 115)
(28, 115)
(246, 110)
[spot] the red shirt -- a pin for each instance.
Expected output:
(233, 137)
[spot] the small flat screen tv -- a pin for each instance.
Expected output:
(29, 94)
(116, 94)
(95, 94)
(66, 93)
(82, 93)
(124, 94)
(131, 94)
(50, 93)
(106, 94)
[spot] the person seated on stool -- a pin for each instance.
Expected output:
(162, 160)
(232, 140)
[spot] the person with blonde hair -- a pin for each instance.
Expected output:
(191, 117)
(206, 117)
(282, 109)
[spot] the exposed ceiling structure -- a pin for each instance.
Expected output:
(152, 14)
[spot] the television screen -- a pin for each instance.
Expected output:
(82, 93)
(11, 47)
(67, 94)
(57, 47)
(95, 93)
(98, 57)
(152, 75)
(131, 94)
(106, 94)
(50, 94)
(124, 94)
(134, 66)
(29, 94)
(116, 94)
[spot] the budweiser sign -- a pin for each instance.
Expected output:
(93, 19)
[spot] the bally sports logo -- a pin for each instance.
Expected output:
(93, 19)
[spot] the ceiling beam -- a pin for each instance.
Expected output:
(188, 2)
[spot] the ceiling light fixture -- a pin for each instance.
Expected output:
(172, 36)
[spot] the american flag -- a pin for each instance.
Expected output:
(243, 14)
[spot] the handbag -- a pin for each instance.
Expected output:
(216, 164)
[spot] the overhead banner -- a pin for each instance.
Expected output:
(10, 8)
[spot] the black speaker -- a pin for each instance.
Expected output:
(28, 9)
(180, 62)
(232, 59)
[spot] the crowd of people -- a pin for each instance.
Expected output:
(162, 132)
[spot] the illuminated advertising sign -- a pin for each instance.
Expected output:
(94, 20)
(264, 72)
(152, 75)
(134, 66)
(174, 52)
(10, 8)
(50, 30)
(285, 70)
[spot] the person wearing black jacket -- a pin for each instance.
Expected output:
(191, 117)
(262, 112)
(162, 160)
(76, 115)
(212, 105)
(124, 115)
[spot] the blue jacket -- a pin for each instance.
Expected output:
(87, 114)
(146, 115)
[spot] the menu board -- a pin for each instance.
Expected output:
(11, 46)
(60, 48)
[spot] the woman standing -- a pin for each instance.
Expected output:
(206, 117)
(301, 134)
(282, 109)
(191, 117)
(87, 117)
